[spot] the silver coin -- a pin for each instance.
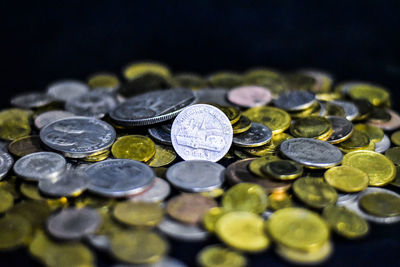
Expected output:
(3, 146)
(295, 100)
(100, 242)
(201, 132)
(355, 206)
(349, 108)
(160, 135)
(66, 90)
(31, 100)
(40, 165)
(119, 177)
(6, 162)
(346, 87)
(78, 137)
(92, 104)
(164, 262)
(311, 152)
(51, 116)
(180, 231)
(152, 107)
(257, 135)
(73, 223)
(158, 191)
(342, 129)
(213, 96)
(266, 214)
(344, 198)
(196, 175)
(383, 145)
(322, 111)
(167, 127)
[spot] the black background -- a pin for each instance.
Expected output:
(43, 41)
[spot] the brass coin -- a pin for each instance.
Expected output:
(6, 200)
(103, 80)
(98, 156)
(242, 125)
(10, 185)
(256, 164)
(381, 204)
(282, 169)
(35, 212)
(297, 257)
(163, 156)
(31, 191)
(314, 110)
(374, 133)
(328, 96)
(245, 197)
(314, 192)
(189, 80)
(345, 222)
(364, 108)
(276, 119)
(225, 80)
(395, 138)
(135, 70)
(218, 256)
(213, 193)
(394, 155)
(135, 147)
(138, 213)
(189, 208)
(311, 127)
(15, 231)
(347, 179)
(280, 200)
(396, 181)
(211, 217)
(271, 79)
(14, 123)
(374, 94)
(259, 151)
(25, 145)
(232, 113)
(357, 141)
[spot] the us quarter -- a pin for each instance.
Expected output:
(51, 116)
(181, 231)
(6, 162)
(257, 135)
(160, 135)
(31, 100)
(342, 129)
(201, 132)
(294, 100)
(67, 89)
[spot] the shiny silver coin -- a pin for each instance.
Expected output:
(383, 145)
(342, 129)
(180, 231)
(92, 104)
(78, 137)
(73, 223)
(196, 175)
(40, 166)
(344, 198)
(257, 135)
(31, 100)
(164, 262)
(6, 162)
(158, 191)
(213, 96)
(311, 152)
(65, 90)
(201, 132)
(295, 100)
(349, 108)
(152, 107)
(160, 135)
(51, 116)
(119, 177)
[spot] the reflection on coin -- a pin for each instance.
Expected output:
(66, 90)
(51, 116)
(91, 104)
(382, 145)
(31, 100)
(163, 156)
(257, 135)
(294, 100)
(6, 162)
(158, 191)
(160, 135)
(342, 129)
(249, 96)
(212, 96)
(181, 231)
(349, 108)
(25, 145)
(196, 175)
(391, 125)
(201, 132)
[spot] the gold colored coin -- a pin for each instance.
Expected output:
(245, 197)
(136, 70)
(243, 231)
(276, 119)
(14, 123)
(242, 125)
(138, 213)
(138, 246)
(255, 165)
(15, 232)
(259, 151)
(213, 193)
(357, 141)
(396, 181)
(313, 110)
(282, 169)
(103, 80)
(274, 81)
(225, 80)
(232, 113)
(190, 80)
(298, 228)
(328, 96)
(311, 127)
(394, 155)
(135, 147)
(6, 200)
(334, 110)
(377, 96)
(314, 192)
(211, 218)
(31, 191)
(381, 204)
(218, 256)
(305, 257)
(10, 186)
(240, 154)
(347, 179)
(379, 168)
(25, 145)
(279, 200)
(374, 133)
(345, 222)
(98, 156)
(396, 138)
(163, 156)
(35, 212)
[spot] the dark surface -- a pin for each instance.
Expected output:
(43, 41)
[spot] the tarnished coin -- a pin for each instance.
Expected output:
(394, 155)
(282, 169)
(342, 129)
(78, 137)
(312, 127)
(350, 109)
(314, 192)
(91, 104)
(381, 204)
(218, 256)
(66, 90)
(51, 116)
(201, 132)
(25, 145)
(257, 135)
(40, 165)
(73, 223)
(153, 107)
(160, 135)
(119, 177)
(357, 141)
(311, 152)
(138, 213)
(6, 162)
(294, 100)
(103, 80)
(158, 191)
(181, 231)
(242, 125)
(245, 197)
(31, 100)
(249, 96)
(347, 179)
(15, 231)
(375, 134)
(212, 96)
(196, 175)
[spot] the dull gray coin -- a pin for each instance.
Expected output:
(67, 89)
(51, 116)
(6, 162)
(349, 108)
(196, 175)
(212, 96)
(158, 191)
(295, 100)
(181, 231)
(164, 262)
(31, 100)
(342, 129)
(257, 135)
(383, 145)
(160, 135)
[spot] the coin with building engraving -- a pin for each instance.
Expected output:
(201, 132)
(257, 135)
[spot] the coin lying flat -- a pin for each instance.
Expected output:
(350, 109)
(257, 135)
(6, 200)
(294, 100)
(25, 145)
(181, 231)
(347, 179)
(135, 147)
(375, 134)
(14, 123)
(119, 177)
(282, 169)
(158, 191)
(160, 135)
(164, 155)
(312, 127)
(78, 137)
(245, 197)
(383, 145)
(66, 90)
(250, 96)
(314, 192)
(6, 162)
(196, 175)
(381, 204)
(190, 80)
(342, 130)
(392, 124)
(138, 213)
(216, 255)
(212, 96)
(211, 218)
(201, 132)
(103, 80)
(15, 231)
(394, 155)
(31, 100)
(299, 257)
(51, 116)
(242, 125)
(276, 119)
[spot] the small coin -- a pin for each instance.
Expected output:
(342, 130)
(350, 109)
(347, 179)
(211, 218)
(276, 119)
(391, 125)
(312, 127)
(282, 169)
(138, 213)
(31, 100)
(65, 90)
(196, 175)
(394, 155)
(250, 96)
(51, 116)
(212, 96)
(158, 191)
(257, 135)
(14, 123)
(135, 147)
(242, 125)
(15, 231)
(374, 133)
(381, 204)
(181, 231)
(163, 156)
(25, 145)
(314, 192)
(6, 162)
(6, 200)
(103, 80)
(245, 197)
(294, 100)
(298, 257)
(160, 135)
(216, 255)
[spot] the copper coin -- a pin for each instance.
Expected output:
(25, 145)
(250, 96)
(238, 172)
(390, 125)
(189, 208)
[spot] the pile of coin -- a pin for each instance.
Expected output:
(121, 167)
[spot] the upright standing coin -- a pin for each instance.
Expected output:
(92, 104)
(342, 130)
(78, 137)
(135, 147)
(295, 100)
(66, 90)
(31, 100)
(6, 162)
(347, 179)
(314, 192)
(201, 132)
(276, 119)
(257, 135)
(51, 116)
(250, 96)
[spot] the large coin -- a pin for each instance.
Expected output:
(78, 137)
(66, 90)
(6, 162)
(91, 104)
(152, 107)
(257, 135)
(119, 177)
(201, 132)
